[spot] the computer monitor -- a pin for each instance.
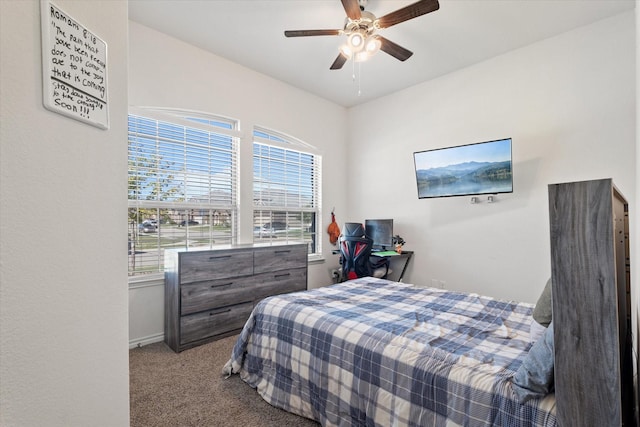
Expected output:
(381, 232)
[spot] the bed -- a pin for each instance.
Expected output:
(371, 352)
(376, 352)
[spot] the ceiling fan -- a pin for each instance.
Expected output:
(361, 28)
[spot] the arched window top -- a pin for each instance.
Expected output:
(268, 136)
(191, 118)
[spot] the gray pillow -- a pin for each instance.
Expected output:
(534, 378)
(542, 312)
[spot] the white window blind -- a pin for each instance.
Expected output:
(182, 184)
(286, 190)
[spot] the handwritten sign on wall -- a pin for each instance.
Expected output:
(74, 68)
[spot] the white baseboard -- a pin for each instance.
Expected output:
(150, 339)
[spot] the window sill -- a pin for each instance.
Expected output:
(315, 259)
(146, 280)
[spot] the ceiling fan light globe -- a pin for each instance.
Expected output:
(372, 45)
(356, 42)
(346, 51)
(362, 56)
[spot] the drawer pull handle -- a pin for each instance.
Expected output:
(219, 257)
(283, 252)
(221, 284)
(213, 313)
(282, 275)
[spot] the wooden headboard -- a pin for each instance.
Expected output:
(591, 304)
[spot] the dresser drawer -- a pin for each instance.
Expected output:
(280, 258)
(212, 294)
(211, 265)
(199, 326)
(280, 282)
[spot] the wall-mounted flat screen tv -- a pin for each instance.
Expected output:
(481, 168)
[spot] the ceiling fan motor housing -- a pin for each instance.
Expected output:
(366, 24)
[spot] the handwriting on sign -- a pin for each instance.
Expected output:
(74, 68)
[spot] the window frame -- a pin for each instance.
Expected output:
(192, 120)
(283, 141)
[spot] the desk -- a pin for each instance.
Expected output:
(404, 255)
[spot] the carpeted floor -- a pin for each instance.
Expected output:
(188, 389)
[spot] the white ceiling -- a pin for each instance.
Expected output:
(459, 34)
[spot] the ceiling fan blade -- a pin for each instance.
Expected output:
(339, 62)
(394, 49)
(306, 33)
(352, 8)
(408, 12)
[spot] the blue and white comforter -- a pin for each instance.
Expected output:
(371, 352)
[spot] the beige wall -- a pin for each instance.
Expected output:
(569, 104)
(63, 274)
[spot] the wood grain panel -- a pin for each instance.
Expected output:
(199, 326)
(277, 258)
(209, 265)
(217, 293)
(587, 357)
(281, 282)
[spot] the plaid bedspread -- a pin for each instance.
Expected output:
(371, 352)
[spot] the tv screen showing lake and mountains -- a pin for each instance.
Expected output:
(482, 168)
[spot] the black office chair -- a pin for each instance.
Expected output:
(355, 250)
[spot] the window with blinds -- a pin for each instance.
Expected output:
(182, 189)
(286, 190)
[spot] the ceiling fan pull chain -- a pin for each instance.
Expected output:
(359, 78)
(353, 71)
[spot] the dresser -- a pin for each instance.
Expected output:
(209, 294)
